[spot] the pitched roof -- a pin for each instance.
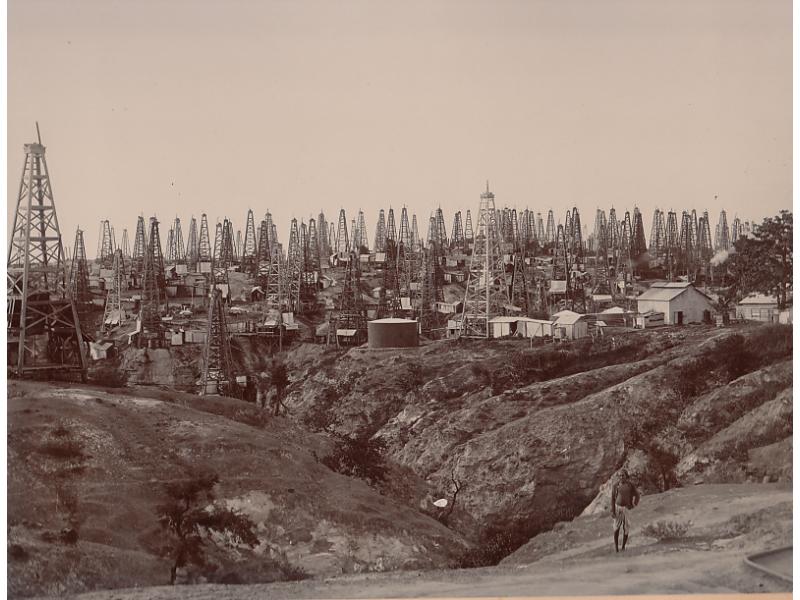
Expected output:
(661, 294)
(758, 299)
(569, 319)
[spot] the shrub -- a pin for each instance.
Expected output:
(667, 530)
(321, 416)
(359, 456)
(110, 377)
(62, 449)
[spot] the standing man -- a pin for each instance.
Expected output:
(624, 497)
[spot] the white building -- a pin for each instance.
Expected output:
(758, 308)
(680, 302)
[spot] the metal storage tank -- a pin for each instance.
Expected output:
(393, 333)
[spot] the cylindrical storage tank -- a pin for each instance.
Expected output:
(393, 333)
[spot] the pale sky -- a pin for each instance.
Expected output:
(182, 107)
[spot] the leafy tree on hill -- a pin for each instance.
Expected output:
(763, 262)
(279, 379)
(188, 514)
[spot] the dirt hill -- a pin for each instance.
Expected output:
(86, 469)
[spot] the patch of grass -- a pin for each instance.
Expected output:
(665, 531)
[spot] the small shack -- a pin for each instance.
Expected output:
(680, 302)
(758, 307)
(570, 325)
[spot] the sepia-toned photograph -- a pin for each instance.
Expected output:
(380, 299)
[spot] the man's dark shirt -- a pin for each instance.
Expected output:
(624, 494)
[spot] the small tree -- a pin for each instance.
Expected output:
(359, 456)
(186, 517)
(279, 379)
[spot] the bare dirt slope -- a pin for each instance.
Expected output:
(729, 521)
(86, 469)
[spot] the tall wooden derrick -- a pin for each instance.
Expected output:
(78, 283)
(736, 230)
(332, 237)
(169, 257)
(671, 243)
(229, 246)
(273, 237)
(363, 241)
(309, 251)
(406, 264)
(261, 271)
(520, 296)
(457, 240)
(314, 258)
(153, 290)
(525, 231)
(192, 249)
(624, 258)
(44, 329)
(431, 291)
(323, 243)
(380, 233)
(204, 248)
(391, 229)
(638, 244)
(417, 243)
(686, 263)
(106, 254)
(658, 237)
(513, 228)
(440, 234)
(576, 240)
(487, 291)
(218, 376)
(600, 282)
(722, 241)
(249, 246)
(469, 232)
(126, 246)
(705, 245)
(176, 251)
(550, 230)
(540, 234)
(271, 273)
(565, 262)
(114, 314)
(389, 298)
(219, 261)
(342, 239)
(405, 230)
(139, 250)
(351, 315)
(294, 271)
(353, 234)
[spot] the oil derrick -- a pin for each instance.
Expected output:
(514, 227)
(576, 239)
(671, 243)
(314, 259)
(563, 264)
(686, 247)
(601, 271)
(612, 237)
(236, 255)
(323, 244)
(658, 234)
(519, 285)
(114, 315)
(417, 243)
(342, 241)
(705, 249)
(389, 299)
(126, 247)
(405, 230)
(638, 242)
(170, 247)
(271, 229)
(353, 233)
(362, 241)
(139, 248)
(440, 234)
(153, 290)
(391, 230)
(540, 234)
(249, 246)
(469, 232)
(525, 230)
(332, 238)
(191, 246)
(351, 315)
(294, 271)
(736, 230)
(262, 256)
(487, 291)
(431, 290)
(44, 329)
(457, 240)
(229, 245)
(405, 271)
(219, 267)
(106, 254)
(722, 241)
(78, 285)
(380, 233)
(550, 232)
(176, 252)
(218, 377)
(274, 274)
(625, 243)
(204, 243)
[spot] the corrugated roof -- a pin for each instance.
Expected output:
(662, 294)
(758, 299)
